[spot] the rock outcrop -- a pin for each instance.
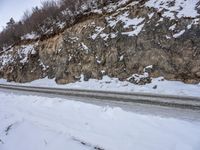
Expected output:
(120, 43)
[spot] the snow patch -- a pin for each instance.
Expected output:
(172, 27)
(134, 23)
(6, 58)
(136, 31)
(84, 47)
(25, 51)
(30, 36)
(179, 34)
(150, 15)
(168, 37)
(178, 8)
(98, 30)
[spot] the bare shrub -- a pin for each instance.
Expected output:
(43, 20)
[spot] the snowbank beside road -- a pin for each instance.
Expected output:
(158, 86)
(39, 123)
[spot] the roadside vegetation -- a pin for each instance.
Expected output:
(51, 17)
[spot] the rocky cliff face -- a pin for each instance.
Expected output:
(131, 40)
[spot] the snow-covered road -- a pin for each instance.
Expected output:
(30, 122)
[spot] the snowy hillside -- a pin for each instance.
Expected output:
(120, 39)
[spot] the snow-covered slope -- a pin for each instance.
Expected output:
(39, 123)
